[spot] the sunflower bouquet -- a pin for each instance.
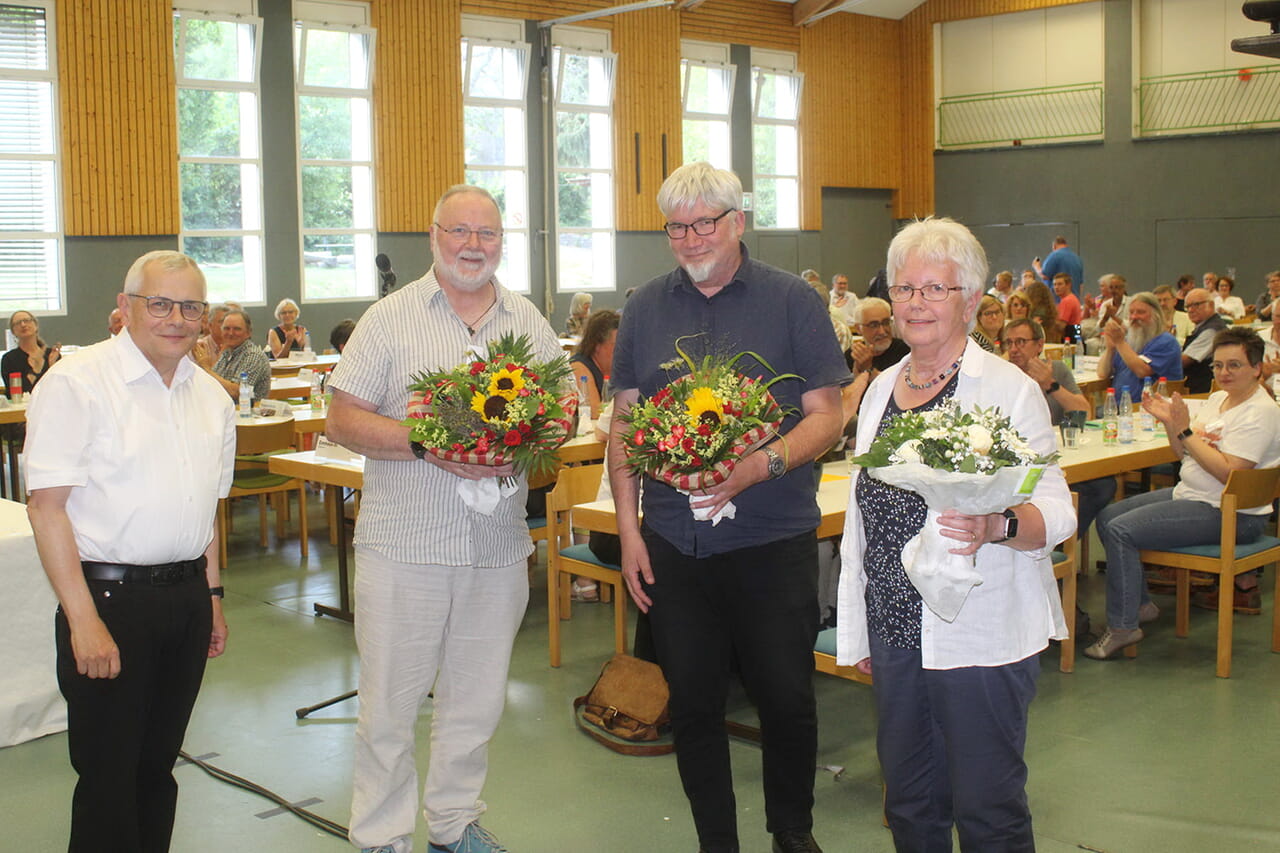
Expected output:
(692, 432)
(494, 409)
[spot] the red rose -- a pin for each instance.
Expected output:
(511, 365)
(542, 408)
(512, 438)
(704, 430)
(638, 438)
(523, 392)
(524, 428)
(477, 367)
(457, 448)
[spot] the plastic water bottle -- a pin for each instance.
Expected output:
(1146, 420)
(306, 340)
(1124, 427)
(1162, 388)
(317, 392)
(1110, 418)
(246, 395)
(584, 408)
(1079, 351)
(1068, 354)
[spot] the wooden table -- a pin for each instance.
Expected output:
(291, 366)
(14, 413)
(289, 388)
(335, 476)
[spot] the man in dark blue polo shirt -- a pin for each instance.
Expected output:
(745, 588)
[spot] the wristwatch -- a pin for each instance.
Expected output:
(1010, 526)
(1053, 387)
(217, 592)
(777, 465)
(419, 449)
(1186, 433)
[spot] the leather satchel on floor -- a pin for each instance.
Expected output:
(626, 710)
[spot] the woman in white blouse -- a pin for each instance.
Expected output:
(1231, 307)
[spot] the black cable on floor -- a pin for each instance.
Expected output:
(312, 818)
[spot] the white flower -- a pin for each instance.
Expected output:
(979, 439)
(909, 452)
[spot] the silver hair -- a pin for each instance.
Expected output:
(248, 323)
(286, 303)
(168, 261)
(943, 241)
(1139, 336)
(700, 182)
(459, 189)
(839, 275)
(578, 302)
(870, 302)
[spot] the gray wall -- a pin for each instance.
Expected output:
(1149, 209)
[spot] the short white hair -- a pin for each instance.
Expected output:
(700, 182)
(871, 302)
(168, 261)
(286, 303)
(942, 241)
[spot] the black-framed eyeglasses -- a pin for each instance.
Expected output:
(1017, 342)
(704, 227)
(877, 324)
(1196, 304)
(162, 306)
(934, 291)
(462, 233)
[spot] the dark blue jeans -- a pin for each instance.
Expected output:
(124, 733)
(950, 743)
(760, 606)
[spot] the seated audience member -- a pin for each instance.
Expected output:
(1268, 296)
(1002, 286)
(1271, 362)
(1115, 299)
(843, 300)
(115, 322)
(212, 337)
(1235, 428)
(1043, 311)
(32, 357)
(878, 348)
(341, 334)
(1186, 283)
(1229, 306)
(1142, 350)
(843, 336)
(579, 310)
(1018, 305)
(1069, 311)
(1176, 322)
(1028, 276)
(290, 335)
(592, 359)
(989, 325)
(1197, 349)
(1210, 281)
(239, 355)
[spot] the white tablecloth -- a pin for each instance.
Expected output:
(30, 704)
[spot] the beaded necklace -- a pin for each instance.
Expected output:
(925, 386)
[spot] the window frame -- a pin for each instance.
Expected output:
(765, 63)
(689, 116)
(254, 292)
(365, 208)
(53, 288)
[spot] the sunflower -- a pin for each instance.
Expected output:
(507, 382)
(704, 407)
(491, 408)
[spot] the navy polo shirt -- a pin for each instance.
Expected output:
(762, 310)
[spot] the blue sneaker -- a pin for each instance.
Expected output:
(475, 839)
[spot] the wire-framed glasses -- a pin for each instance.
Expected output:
(933, 291)
(162, 306)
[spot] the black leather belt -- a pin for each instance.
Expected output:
(166, 574)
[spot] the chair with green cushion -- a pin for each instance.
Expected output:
(1246, 488)
(256, 442)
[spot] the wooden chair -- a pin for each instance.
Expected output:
(565, 559)
(1066, 565)
(1245, 489)
(254, 442)
(538, 524)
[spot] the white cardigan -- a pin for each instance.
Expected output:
(1017, 609)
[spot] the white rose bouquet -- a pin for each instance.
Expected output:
(974, 462)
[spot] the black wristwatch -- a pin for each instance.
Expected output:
(1186, 433)
(1053, 387)
(217, 592)
(419, 449)
(777, 465)
(1010, 526)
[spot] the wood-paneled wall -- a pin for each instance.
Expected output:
(760, 23)
(916, 196)
(647, 104)
(417, 88)
(117, 111)
(852, 123)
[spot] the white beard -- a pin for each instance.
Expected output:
(1139, 336)
(700, 272)
(469, 282)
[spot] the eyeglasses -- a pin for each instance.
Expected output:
(1017, 342)
(1195, 304)
(993, 312)
(462, 233)
(876, 324)
(934, 291)
(1229, 365)
(704, 227)
(162, 306)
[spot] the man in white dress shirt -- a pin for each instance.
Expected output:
(440, 588)
(130, 446)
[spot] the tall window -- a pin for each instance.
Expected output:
(775, 140)
(219, 150)
(30, 201)
(583, 84)
(706, 91)
(335, 145)
(494, 81)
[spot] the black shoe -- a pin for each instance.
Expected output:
(795, 841)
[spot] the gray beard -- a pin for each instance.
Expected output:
(699, 273)
(1139, 336)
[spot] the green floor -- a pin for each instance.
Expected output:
(1153, 754)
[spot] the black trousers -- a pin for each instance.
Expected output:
(759, 604)
(124, 733)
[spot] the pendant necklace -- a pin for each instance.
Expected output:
(483, 314)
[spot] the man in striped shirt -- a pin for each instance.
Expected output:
(440, 588)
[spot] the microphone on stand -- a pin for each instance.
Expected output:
(386, 273)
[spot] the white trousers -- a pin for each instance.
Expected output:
(421, 628)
